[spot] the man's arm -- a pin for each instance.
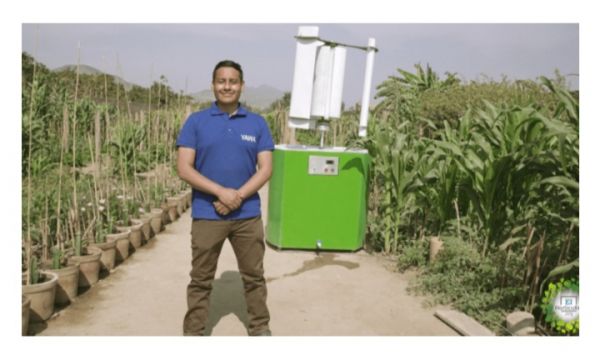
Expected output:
(188, 173)
(262, 175)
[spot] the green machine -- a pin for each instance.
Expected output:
(318, 198)
(318, 194)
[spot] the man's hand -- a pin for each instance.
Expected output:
(231, 198)
(221, 208)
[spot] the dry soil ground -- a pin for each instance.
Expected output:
(309, 294)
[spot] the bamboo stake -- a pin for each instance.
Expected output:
(106, 118)
(531, 232)
(31, 100)
(156, 138)
(167, 102)
(536, 276)
(70, 225)
(97, 143)
(569, 241)
(456, 210)
(564, 252)
(159, 88)
(105, 83)
(169, 126)
(88, 228)
(109, 215)
(75, 206)
(64, 143)
(135, 180)
(123, 177)
(148, 127)
(119, 123)
(45, 228)
(95, 180)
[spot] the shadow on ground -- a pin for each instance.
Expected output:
(227, 297)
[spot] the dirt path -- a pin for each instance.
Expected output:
(329, 294)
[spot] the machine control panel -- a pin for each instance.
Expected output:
(322, 165)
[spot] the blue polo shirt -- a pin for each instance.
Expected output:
(226, 153)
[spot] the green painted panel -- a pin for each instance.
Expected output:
(306, 209)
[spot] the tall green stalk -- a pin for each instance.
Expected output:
(77, 240)
(32, 278)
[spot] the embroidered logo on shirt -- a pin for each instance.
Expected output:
(249, 138)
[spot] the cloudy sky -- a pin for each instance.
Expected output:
(186, 53)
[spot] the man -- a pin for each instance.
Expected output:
(219, 149)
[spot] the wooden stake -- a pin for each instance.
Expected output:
(457, 218)
(31, 100)
(536, 276)
(95, 180)
(97, 143)
(64, 144)
(45, 229)
(75, 206)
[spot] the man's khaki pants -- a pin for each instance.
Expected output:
(247, 240)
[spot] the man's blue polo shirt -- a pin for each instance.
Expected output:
(226, 153)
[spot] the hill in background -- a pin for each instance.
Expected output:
(89, 70)
(259, 97)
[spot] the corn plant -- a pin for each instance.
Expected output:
(503, 177)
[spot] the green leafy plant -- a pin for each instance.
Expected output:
(486, 288)
(414, 254)
(499, 171)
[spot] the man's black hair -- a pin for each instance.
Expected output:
(229, 63)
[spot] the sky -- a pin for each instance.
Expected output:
(186, 53)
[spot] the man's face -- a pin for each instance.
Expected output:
(227, 86)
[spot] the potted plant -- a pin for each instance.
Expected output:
(25, 314)
(122, 243)
(156, 220)
(167, 215)
(88, 258)
(186, 198)
(68, 277)
(145, 219)
(156, 211)
(40, 288)
(120, 238)
(108, 248)
(127, 211)
(152, 212)
(104, 226)
(175, 209)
